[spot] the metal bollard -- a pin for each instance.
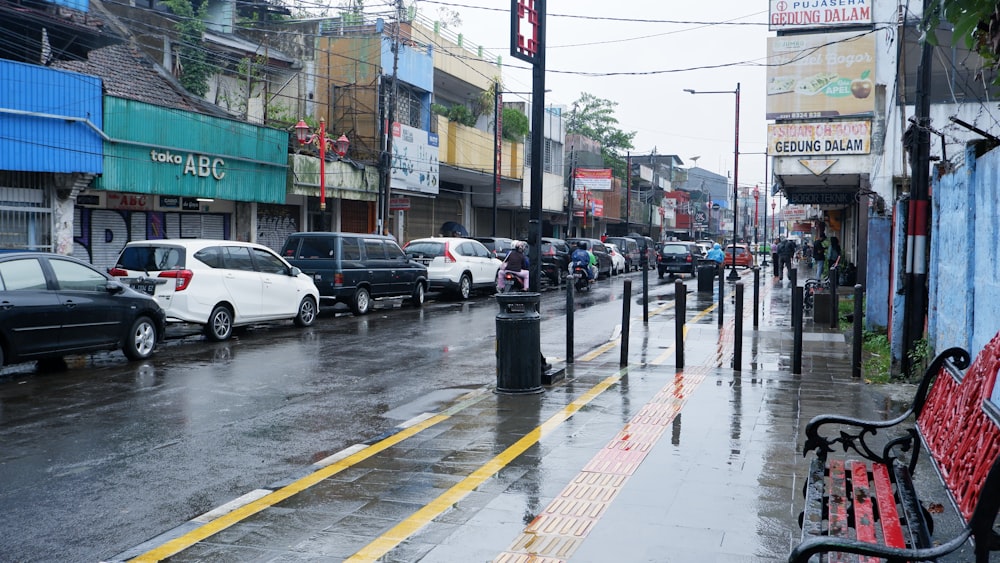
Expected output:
(645, 283)
(856, 359)
(756, 297)
(680, 317)
(797, 330)
(834, 300)
(569, 320)
(626, 315)
(519, 356)
(738, 329)
(793, 277)
(722, 294)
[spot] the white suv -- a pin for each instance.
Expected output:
(460, 265)
(220, 284)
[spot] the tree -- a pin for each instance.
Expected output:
(594, 118)
(193, 60)
(976, 23)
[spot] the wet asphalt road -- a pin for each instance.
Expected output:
(106, 454)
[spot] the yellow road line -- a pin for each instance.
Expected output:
(187, 540)
(400, 532)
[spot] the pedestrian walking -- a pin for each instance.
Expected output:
(819, 254)
(786, 249)
(833, 255)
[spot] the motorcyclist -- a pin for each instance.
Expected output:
(515, 263)
(581, 257)
(717, 255)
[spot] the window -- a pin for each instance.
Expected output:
(211, 257)
(151, 258)
(318, 247)
(237, 258)
(17, 275)
(268, 263)
(393, 252)
(374, 250)
(351, 249)
(72, 276)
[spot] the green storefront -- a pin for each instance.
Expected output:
(170, 173)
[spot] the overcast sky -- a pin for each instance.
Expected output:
(706, 45)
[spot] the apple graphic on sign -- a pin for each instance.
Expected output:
(862, 87)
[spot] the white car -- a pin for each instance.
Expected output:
(459, 265)
(219, 284)
(617, 259)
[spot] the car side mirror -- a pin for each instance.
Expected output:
(294, 272)
(114, 287)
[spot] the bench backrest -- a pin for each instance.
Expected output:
(961, 438)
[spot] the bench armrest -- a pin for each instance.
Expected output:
(855, 438)
(828, 544)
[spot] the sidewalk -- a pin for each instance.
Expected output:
(645, 463)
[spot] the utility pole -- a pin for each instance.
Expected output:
(914, 312)
(390, 118)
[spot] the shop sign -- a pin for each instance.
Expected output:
(197, 165)
(805, 14)
(593, 179)
(190, 204)
(819, 138)
(399, 203)
(820, 75)
(130, 202)
(88, 200)
(170, 201)
(415, 165)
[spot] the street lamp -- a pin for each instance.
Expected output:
(320, 139)
(736, 167)
(773, 234)
(756, 208)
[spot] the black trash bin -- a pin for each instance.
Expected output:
(706, 275)
(519, 355)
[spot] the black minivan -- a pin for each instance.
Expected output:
(354, 268)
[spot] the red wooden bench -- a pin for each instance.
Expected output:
(868, 510)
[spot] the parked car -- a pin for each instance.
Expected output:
(704, 247)
(678, 257)
(617, 259)
(629, 249)
(744, 258)
(53, 305)
(219, 284)
(650, 246)
(498, 246)
(458, 265)
(355, 268)
(600, 251)
(555, 259)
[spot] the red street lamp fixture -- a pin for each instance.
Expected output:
(320, 139)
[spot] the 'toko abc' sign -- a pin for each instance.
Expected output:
(195, 165)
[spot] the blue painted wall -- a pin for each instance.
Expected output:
(416, 64)
(879, 268)
(964, 270)
(47, 144)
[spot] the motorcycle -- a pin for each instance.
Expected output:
(511, 283)
(581, 279)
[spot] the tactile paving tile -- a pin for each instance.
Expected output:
(563, 525)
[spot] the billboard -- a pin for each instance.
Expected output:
(820, 75)
(788, 15)
(414, 159)
(592, 179)
(819, 138)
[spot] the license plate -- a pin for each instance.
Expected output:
(147, 288)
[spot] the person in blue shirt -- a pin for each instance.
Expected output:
(716, 254)
(580, 257)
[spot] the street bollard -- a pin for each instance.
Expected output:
(645, 284)
(856, 359)
(518, 344)
(569, 320)
(834, 300)
(756, 297)
(722, 294)
(680, 316)
(626, 315)
(793, 277)
(738, 329)
(797, 330)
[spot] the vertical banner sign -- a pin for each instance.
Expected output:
(524, 18)
(498, 126)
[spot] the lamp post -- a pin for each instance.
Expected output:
(773, 212)
(322, 141)
(736, 167)
(756, 208)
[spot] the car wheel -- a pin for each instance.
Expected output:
(465, 286)
(419, 295)
(362, 302)
(307, 312)
(141, 339)
(220, 324)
